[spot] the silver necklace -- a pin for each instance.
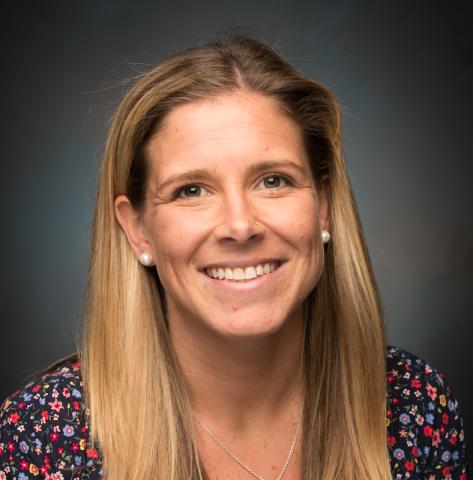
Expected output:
(246, 467)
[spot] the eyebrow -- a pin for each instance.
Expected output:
(198, 174)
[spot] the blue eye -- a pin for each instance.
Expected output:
(189, 191)
(274, 181)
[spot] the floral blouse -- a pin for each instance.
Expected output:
(44, 430)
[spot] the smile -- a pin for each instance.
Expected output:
(243, 273)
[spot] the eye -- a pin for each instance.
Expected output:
(276, 181)
(189, 191)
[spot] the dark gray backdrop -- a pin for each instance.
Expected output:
(403, 72)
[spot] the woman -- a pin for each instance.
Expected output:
(233, 328)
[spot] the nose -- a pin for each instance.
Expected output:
(238, 221)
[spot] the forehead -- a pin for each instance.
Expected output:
(234, 129)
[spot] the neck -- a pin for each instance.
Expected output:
(241, 381)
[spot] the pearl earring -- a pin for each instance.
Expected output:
(145, 259)
(325, 236)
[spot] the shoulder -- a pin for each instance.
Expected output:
(410, 377)
(405, 370)
(425, 426)
(44, 428)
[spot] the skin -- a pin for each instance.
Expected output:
(238, 345)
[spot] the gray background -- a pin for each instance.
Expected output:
(403, 72)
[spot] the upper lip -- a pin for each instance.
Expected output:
(242, 263)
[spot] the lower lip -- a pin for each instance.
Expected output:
(244, 285)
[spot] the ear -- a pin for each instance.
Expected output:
(324, 204)
(132, 224)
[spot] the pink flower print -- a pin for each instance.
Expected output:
(431, 391)
(56, 405)
(420, 420)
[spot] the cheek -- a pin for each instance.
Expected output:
(299, 225)
(298, 222)
(174, 238)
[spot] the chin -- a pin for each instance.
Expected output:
(249, 325)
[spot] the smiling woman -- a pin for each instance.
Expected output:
(233, 326)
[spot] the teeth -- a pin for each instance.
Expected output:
(239, 274)
(250, 272)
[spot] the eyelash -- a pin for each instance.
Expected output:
(177, 191)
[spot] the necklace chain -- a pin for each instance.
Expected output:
(243, 465)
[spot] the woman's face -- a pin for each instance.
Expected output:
(230, 194)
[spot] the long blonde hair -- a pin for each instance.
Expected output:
(133, 386)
